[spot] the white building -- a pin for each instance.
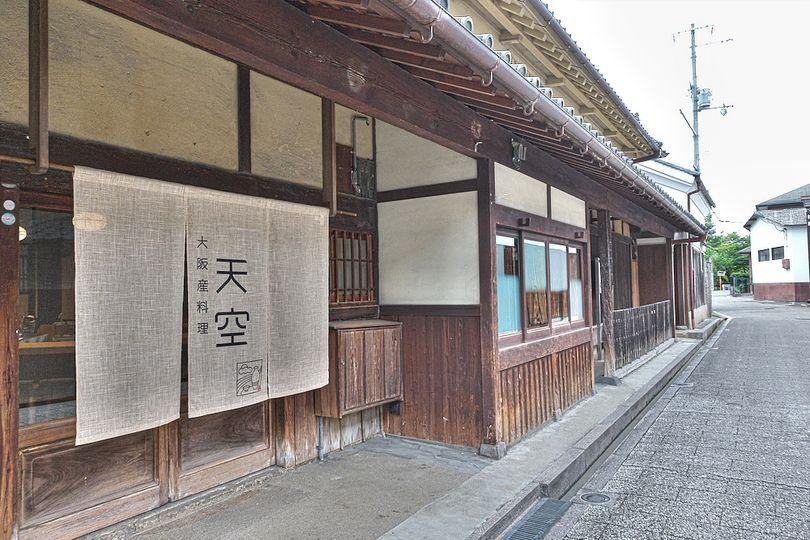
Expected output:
(780, 230)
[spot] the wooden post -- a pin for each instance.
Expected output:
(38, 83)
(604, 250)
(329, 155)
(243, 118)
(284, 409)
(9, 361)
(670, 267)
(488, 288)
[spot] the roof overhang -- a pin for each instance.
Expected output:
(433, 46)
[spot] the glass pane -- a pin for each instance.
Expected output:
(534, 264)
(575, 283)
(46, 317)
(559, 282)
(508, 286)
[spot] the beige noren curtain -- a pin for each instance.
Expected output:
(129, 236)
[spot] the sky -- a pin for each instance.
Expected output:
(759, 149)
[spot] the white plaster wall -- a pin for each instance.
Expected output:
(765, 235)
(567, 208)
(118, 82)
(428, 250)
(14, 61)
(406, 160)
(799, 265)
(286, 140)
(517, 190)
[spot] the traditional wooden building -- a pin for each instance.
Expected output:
(692, 269)
(484, 209)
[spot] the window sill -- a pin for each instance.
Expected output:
(511, 355)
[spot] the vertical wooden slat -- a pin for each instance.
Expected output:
(9, 363)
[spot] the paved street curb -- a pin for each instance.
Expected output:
(702, 333)
(566, 470)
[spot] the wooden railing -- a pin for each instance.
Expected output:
(639, 330)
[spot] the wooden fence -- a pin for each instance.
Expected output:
(639, 330)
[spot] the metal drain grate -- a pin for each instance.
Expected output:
(538, 521)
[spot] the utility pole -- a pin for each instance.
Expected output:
(695, 129)
(701, 98)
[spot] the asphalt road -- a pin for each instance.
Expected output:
(725, 452)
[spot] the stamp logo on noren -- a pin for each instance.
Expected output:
(249, 377)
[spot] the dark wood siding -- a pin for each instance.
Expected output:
(653, 274)
(441, 379)
(533, 390)
(622, 273)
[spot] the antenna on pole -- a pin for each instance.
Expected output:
(701, 97)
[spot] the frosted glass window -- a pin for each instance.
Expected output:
(534, 257)
(559, 282)
(509, 319)
(575, 283)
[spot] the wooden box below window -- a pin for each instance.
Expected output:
(365, 367)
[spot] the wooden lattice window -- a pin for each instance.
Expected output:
(351, 267)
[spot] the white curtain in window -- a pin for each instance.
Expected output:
(129, 235)
(298, 329)
(227, 253)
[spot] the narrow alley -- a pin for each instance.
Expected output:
(724, 453)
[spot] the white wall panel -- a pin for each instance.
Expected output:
(405, 160)
(567, 208)
(517, 190)
(428, 250)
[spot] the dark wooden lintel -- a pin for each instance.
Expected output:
(510, 217)
(437, 310)
(102, 156)
(430, 190)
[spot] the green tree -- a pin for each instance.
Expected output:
(724, 252)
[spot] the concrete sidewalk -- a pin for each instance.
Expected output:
(400, 488)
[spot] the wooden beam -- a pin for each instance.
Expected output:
(38, 83)
(488, 295)
(361, 21)
(380, 41)
(604, 250)
(243, 118)
(430, 190)
(9, 360)
(439, 66)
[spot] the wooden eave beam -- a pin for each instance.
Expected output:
(439, 66)
(353, 19)
(415, 48)
(499, 101)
